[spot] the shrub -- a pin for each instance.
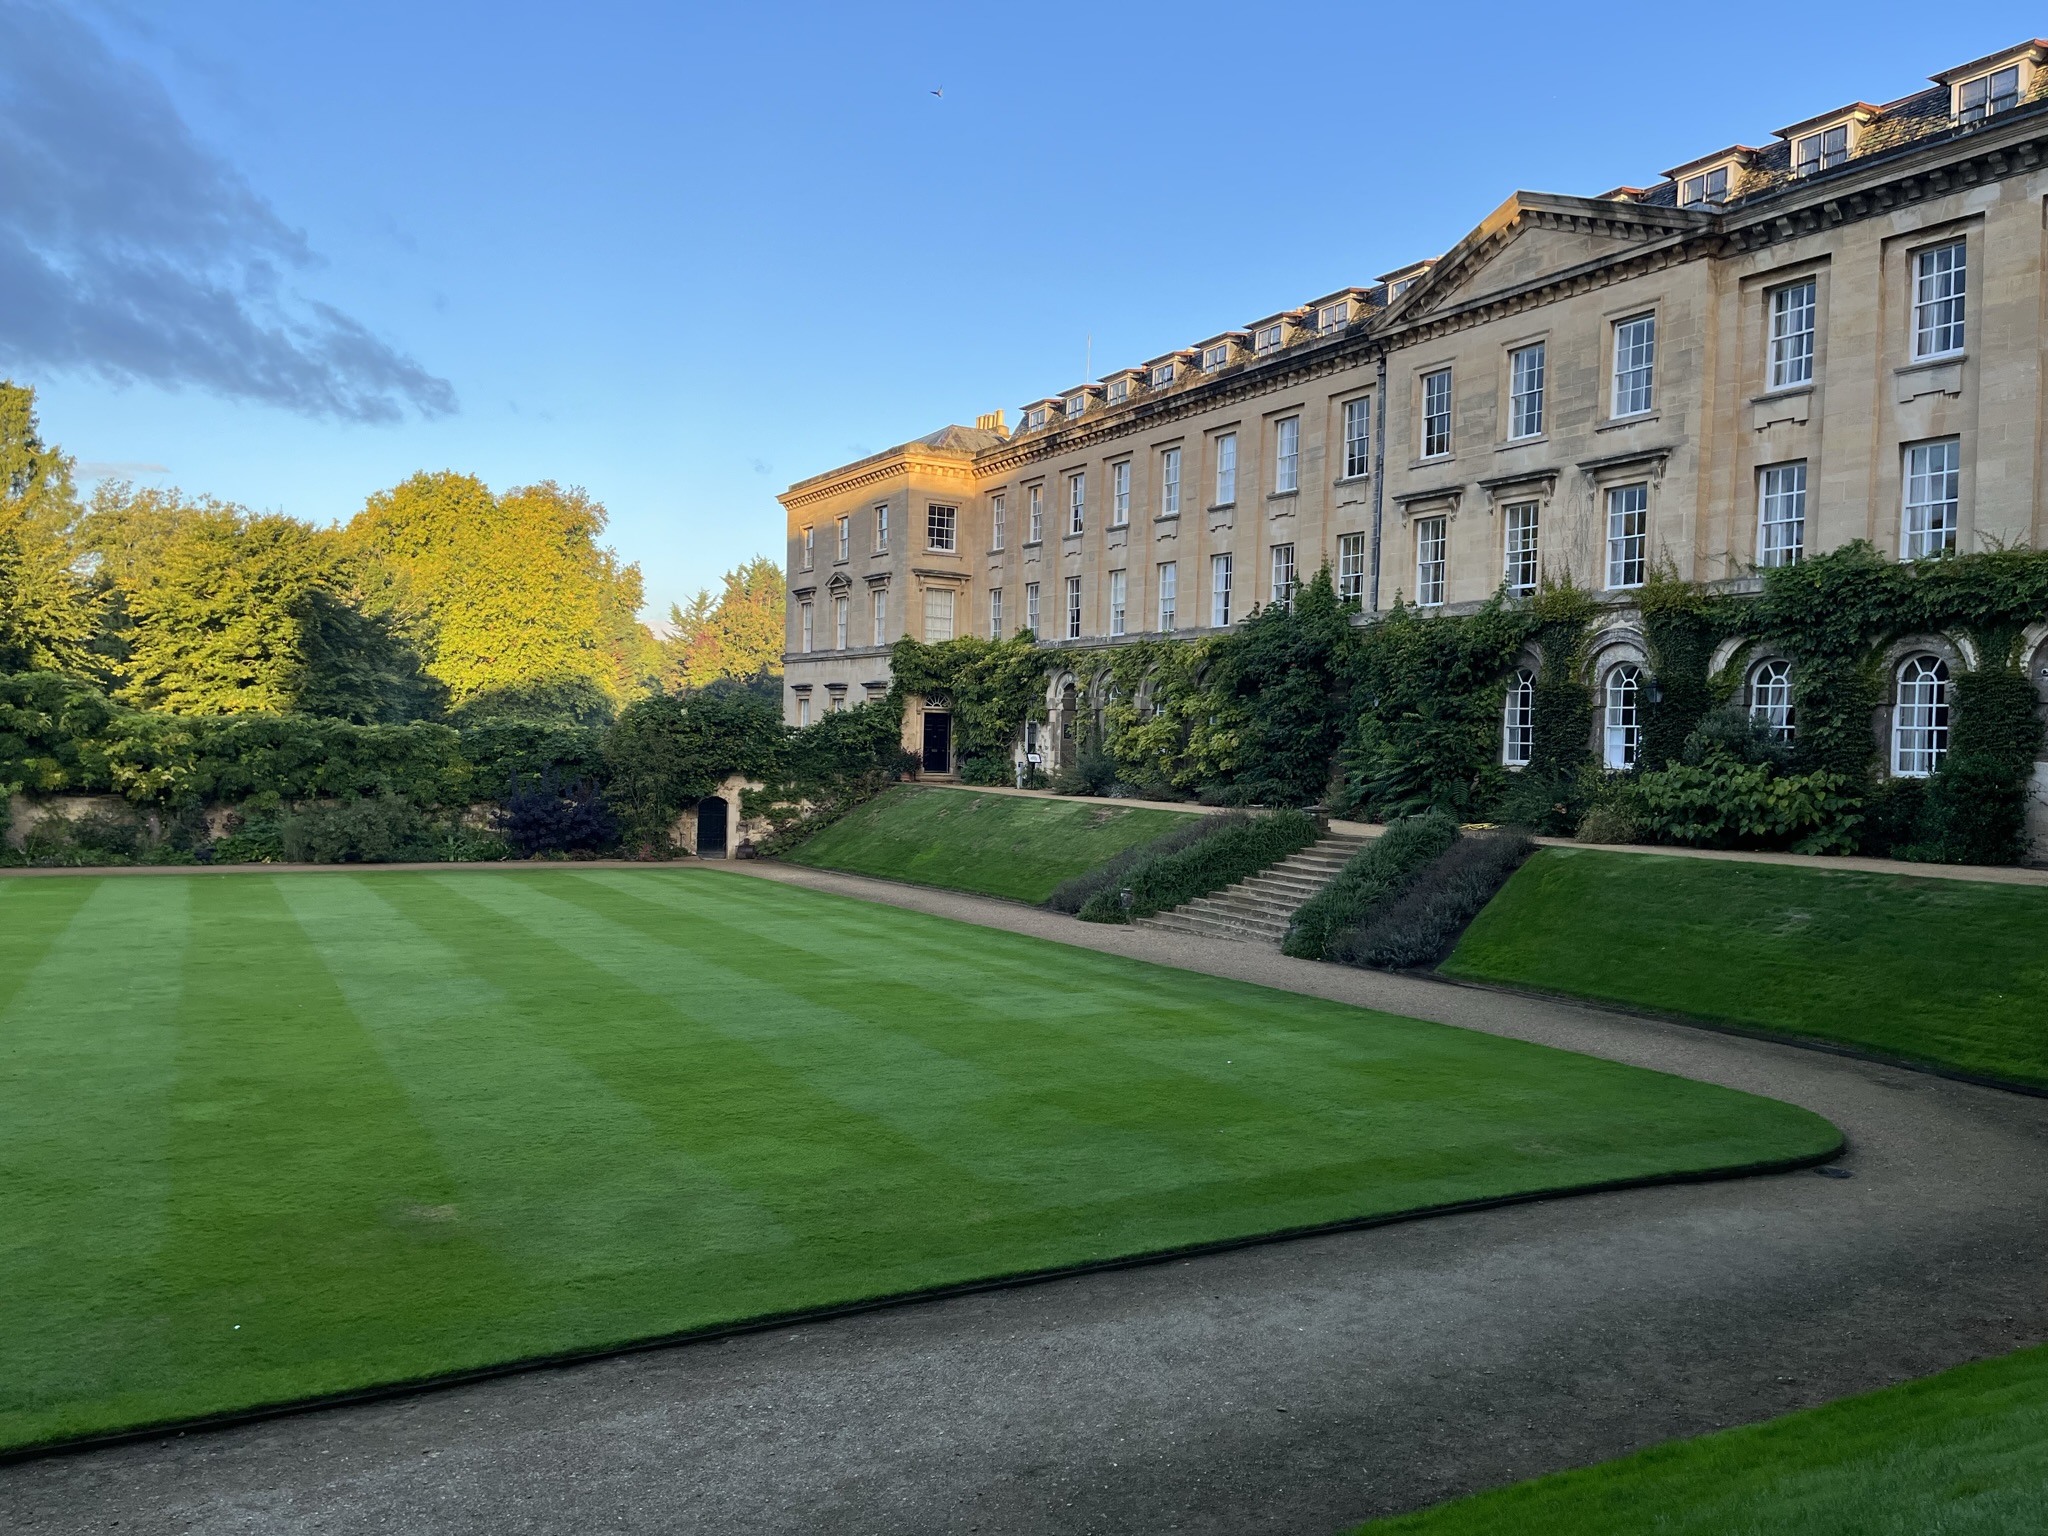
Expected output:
(1072, 895)
(1092, 771)
(1209, 865)
(386, 829)
(1370, 878)
(1420, 929)
(1723, 803)
(553, 817)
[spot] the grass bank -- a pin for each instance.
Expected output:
(280, 1135)
(1947, 972)
(1959, 1453)
(993, 845)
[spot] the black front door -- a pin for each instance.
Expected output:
(938, 742)
(711, 828)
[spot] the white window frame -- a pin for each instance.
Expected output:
(1119, 391)
(1169, 482)
(803, 628)
(1332, 317)
(1119, 591)
(845, 539)
(1226, 469)
(1628, 535)
(810, 549)
(1920, 705)
(1169, 583)
(1358, 437)
(1981, 98)
(881, 606)
(995, 613)
(1518, 721)
(1120, 493)
(1215, 357)
(1521, 531)
(1035, 502)
(1031, 614)
(998, 519)
(1284, 580)
(1270, 337)
(942, 519)
(882, 527)
(1432, 550)
(1780, 514)
(1076, 404)
(941, 615)
(1705, 189)
(1941, 280)
(1930, 515)
(1793, 310)
(1161, 375)
(1034, 418)
(1351, 567)
(1635, 365)
(1219, 591)
(1073, 607)
(842, 616)
(1526, 370)
(1286, 455)
(1770, 697)
(1821, 150)
(1436, 413)
(803, 709)
(1621, 737)
(1077, 501)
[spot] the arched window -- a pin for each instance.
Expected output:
(1624, 733)
(1770, 698)
(1920, 720)
(1517, 721)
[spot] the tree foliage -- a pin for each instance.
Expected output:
(49, 615)
(736, 634)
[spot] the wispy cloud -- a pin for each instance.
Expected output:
(118, 469)
(131, 251)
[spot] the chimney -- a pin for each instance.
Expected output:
(992, 422)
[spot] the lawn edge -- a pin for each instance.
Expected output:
(565, 1359)
(784, 861)
(1741, 1030)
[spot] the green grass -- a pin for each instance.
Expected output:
(1954, 1454)
(269, 1136)
(993, 845)
(1948, 972)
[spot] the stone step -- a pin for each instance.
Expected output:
(1258, 909)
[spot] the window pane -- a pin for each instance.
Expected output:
(1073, 607)
(938, 615)
(1120, 493)
(1518, 721)
(1351, 567)
(997, 514)
(1226, 468)
(1169, 573)
(1436, 413)
(1219, 591)
(1031, 607)
(1525, 392)
(1792, 336)
(1920, 718)
(1781, 515)
(995, 613)
(1430, 543)
(1169, 483)
(1118, 589)
(1635, 358)
(1521, 564)
(1077, 502)
(1933, 498)
(1940, 277)
(1286, 454)
(1770, 698)
(1628, 516)
(1357, 438)
(882, 618)
(939, 523)
(1622, 733)
(1283, 573)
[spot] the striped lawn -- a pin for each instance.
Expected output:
(267, 1137)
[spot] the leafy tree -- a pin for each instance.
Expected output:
(667, 753)
(519, 611)
(737, 634)
(49, 616)
(243, 613)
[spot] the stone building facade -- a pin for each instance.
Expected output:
(1765, 354)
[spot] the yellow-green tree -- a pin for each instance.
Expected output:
(737, 634)
(516, 607)
(50, 615)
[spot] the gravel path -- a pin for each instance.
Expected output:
(1295, 1387)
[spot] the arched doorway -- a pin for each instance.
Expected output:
(711, 827)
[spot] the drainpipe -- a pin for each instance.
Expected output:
(1379, 471)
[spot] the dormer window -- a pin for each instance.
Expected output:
(1332, 317)
(1270, 336)
(1821, 151)
(1215, 357)
(1034, 418)
(1996, 92)
(1708, 189)
(1076, 404)
(1162, 375)
(1403, 286)
(1119, 391)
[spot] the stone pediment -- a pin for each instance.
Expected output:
(1535, 238)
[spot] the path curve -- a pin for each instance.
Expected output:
(1295, 1387)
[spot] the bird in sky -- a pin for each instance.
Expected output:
(940, 91)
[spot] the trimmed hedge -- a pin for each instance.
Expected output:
(1372, 877)
(1072, 895)
(1243, 849)
(1445, 895)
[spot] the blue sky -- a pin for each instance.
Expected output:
(683, 255)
